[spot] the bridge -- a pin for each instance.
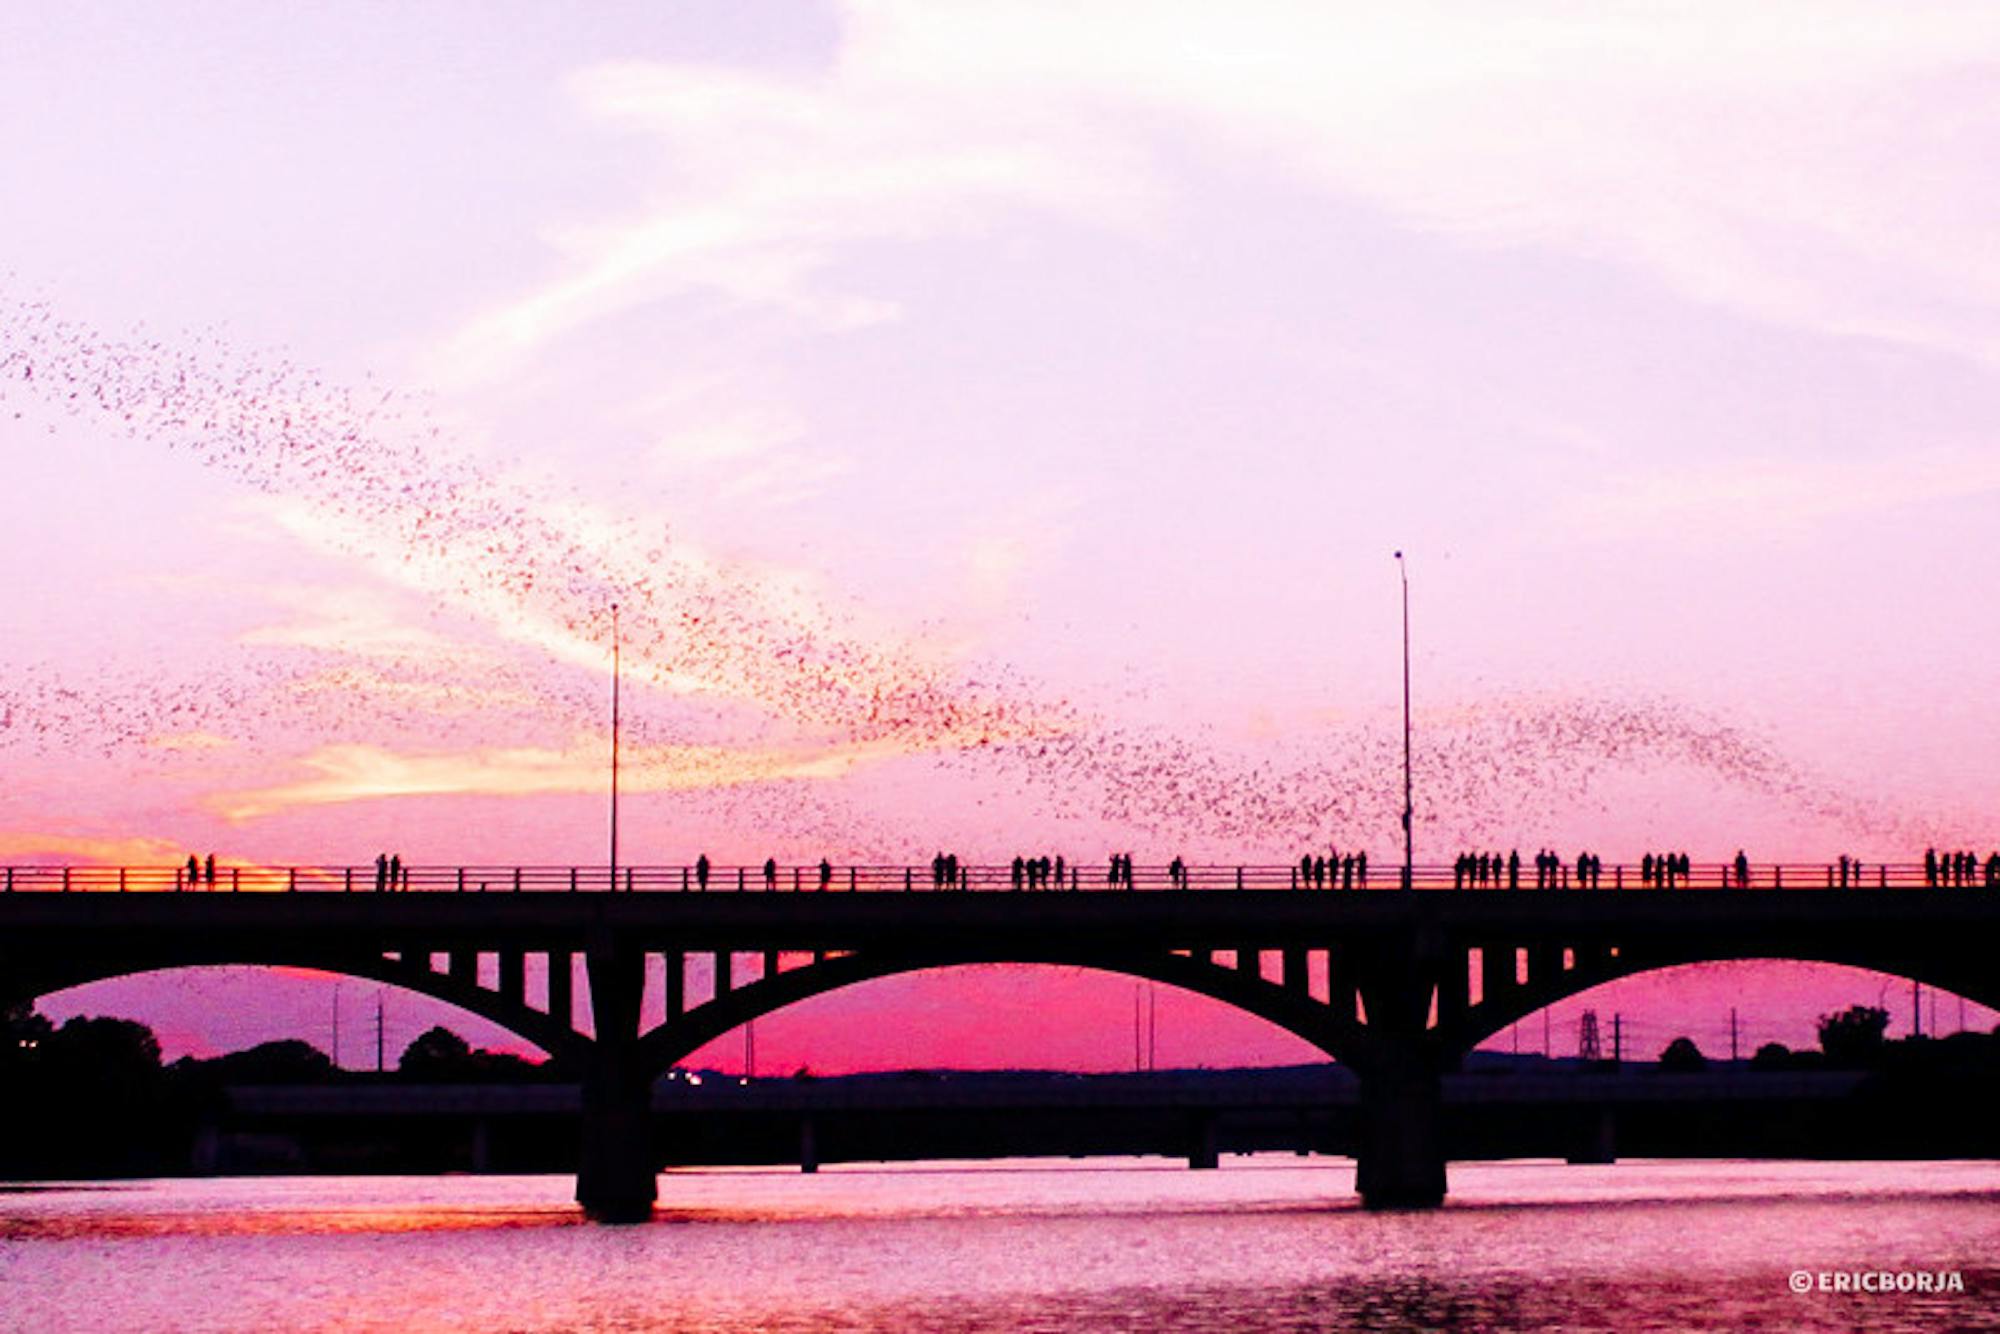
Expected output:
(1397, 985)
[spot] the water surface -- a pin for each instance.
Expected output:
(1264, 1243)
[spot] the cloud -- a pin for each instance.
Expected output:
(1767, 495)
(1819, 164)
(349, 773)
(348, 621)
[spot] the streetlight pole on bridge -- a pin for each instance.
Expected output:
(614, 746)
(1409, 835)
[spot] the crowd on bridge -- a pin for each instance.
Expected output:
(1333, 871)
(1482, 870)
(1961, 868)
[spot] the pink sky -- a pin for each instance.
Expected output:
(995, 420)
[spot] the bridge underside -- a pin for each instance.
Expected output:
(1397, 990)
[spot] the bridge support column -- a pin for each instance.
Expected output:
(808, 1145)
(1597, 1136)
(1400, 1159)
(1204, 1150)
(616, 1178)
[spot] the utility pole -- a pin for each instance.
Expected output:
(1409, 810)
(614, 746)
(1152, 1028)
(378, 1032)
(1138, 992)
(1546, 1052)
(750, 1049)
(1732, 1035)
(336, 1025)
(1618, 1039)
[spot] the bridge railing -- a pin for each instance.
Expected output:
(828, 878)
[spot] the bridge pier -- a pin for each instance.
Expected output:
(1399, 1163)
(1204, 1148)
(1596, 1137)
(617, 1180)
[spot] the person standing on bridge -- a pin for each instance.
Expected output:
(396, 871)
(1742, 870)
(1059, 872)
(381, 872)
(193, 872)
(1514, 868)
(701, 871)
(209, 867)
(825, 873)
(1930, 867)
(770, 873)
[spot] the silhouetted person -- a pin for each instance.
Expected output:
(1020, 871)
(1930, 866)
(701, 871)
(208, 869)
(770, 873)
(381, 871)
(1742, 870)
(1361, 869)
(1059, 873)
(951, 876)
(825, 873)
(193, 871)
(1514, 869)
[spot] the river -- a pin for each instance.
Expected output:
(1264, 1243)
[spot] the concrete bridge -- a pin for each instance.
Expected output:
(1398, 985)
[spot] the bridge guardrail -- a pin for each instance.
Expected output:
(1095, 878)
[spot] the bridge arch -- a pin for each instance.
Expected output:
(1312, 1020)
(1956, 973)
(559, 1042)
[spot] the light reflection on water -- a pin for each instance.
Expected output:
(1125, 1244)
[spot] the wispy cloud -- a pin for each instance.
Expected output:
(1773, 495)
(1778, 160)
(350, 773)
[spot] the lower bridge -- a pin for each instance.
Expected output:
(1195, 1116)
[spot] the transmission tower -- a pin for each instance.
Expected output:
(1589, 1047)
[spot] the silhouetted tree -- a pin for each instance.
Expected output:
(1772, 1056)
(288, 1061)
(436, 1053)
(1854, 1037)
(23, 1030)
(1682, 1056)
(442, 1056)
(111, 1057)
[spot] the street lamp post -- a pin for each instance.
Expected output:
(614, 746)
(1409, 810)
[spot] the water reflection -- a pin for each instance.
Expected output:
(1258, 1245)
